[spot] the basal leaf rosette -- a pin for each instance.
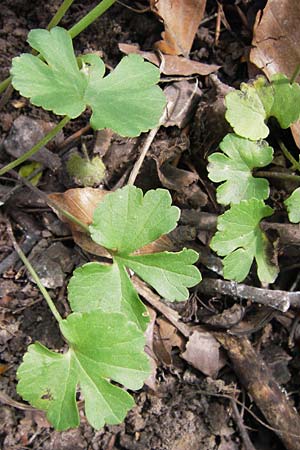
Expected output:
(103, 347)
(127, 100)
(125, 221)
(250, 107)
(234, 166)
(240, 239)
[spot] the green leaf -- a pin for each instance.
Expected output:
(286, 105)
(169, 273)
(57, 84)
(26, 170)
(109, 288)
(126, 220)
(293, 206)
(246, 113)
(85, 172)
(235, 166)
(254, 103)
(97, 354)
(241, 240)
(127, 101)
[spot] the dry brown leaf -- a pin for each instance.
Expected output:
(81, 203)
(275, 44)
(203, 353)
(181, 20)
(172, 64)
(166, 337)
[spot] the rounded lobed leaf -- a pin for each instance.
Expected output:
(126, 220)
(103, 346)
(56, 84)
(241, 240)
(169, 273)
(106, 287)
(127, 101)
(235, 166)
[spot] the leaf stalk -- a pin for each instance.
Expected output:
(89, 18)
(289, 156)
(34, 275)
(60, 13)
(44, 141)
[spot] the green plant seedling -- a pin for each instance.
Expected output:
(86, 172)
(234, 166)
(105, 330)
(240, 239)
(127, 100)
(249, 107)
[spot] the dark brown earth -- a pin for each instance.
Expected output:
(187, 410)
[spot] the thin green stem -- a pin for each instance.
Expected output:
(44, 141)
(289, 156)
(76, 29)
(35, 276)
(60, 13)
(54, 21)
(90, 17)
(4, 84)
(278, 175)
(295, 74)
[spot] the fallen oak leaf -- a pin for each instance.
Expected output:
(181, 20)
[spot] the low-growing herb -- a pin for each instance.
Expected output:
(239, 237)
(105, 330)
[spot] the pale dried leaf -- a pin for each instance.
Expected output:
(172, 64)
(181, 20)
(275, 44)
(203, 353)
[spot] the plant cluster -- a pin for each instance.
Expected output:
(105, 331)
(239, 237)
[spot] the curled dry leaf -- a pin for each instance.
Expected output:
(275, 44)
(181, 20)
(172, 64)
(81, 203)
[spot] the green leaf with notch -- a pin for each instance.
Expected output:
(293, 206)
(126, 220)
(240, 239)
(234, 166)
(169, 273)
(249, 107)
(97, 354)
(127, 101)
(108, 287)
